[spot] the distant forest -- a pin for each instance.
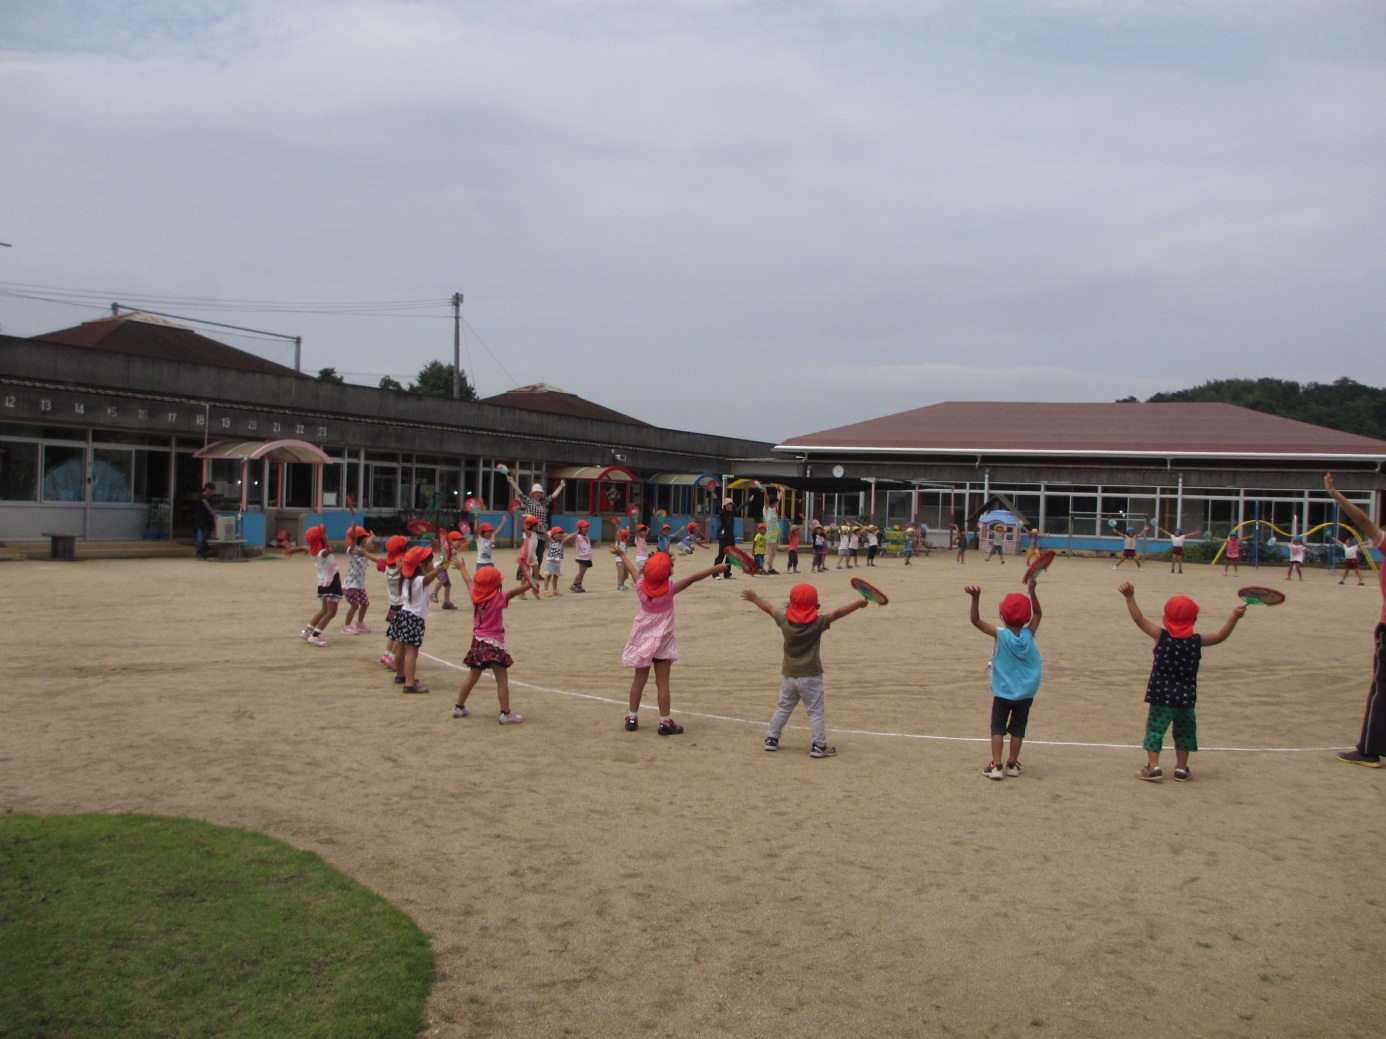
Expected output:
(1345, 404)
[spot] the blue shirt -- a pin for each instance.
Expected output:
(1015, 665)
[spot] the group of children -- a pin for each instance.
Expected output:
(1015, 667)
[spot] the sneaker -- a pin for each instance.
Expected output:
(511, 718)
(458, 711)
(1356, 757)
(1182, 775)
(632, 722)
(622, 588)
(348, 630)
(1151, 775)
(993, 770)
(1013, 768)
(317, 640)
(669, 728)
(433, 597)
(361, 629)
(400, 680)
(772, 743)
(388, 659)
(449, 605)
(306, 634)
(822, 750)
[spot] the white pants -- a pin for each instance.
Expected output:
(810, 691)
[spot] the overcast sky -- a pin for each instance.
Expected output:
(756, 219)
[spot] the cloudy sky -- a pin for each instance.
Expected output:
(758, 219)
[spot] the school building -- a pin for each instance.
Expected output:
(1082, 472)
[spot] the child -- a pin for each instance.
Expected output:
(486, 537)
(873, 544)
(1350, 561)
(802, 670)
(418, 572)
(844, 546)
(584, 555)
(1015, 674)
(997, 538)
(1173, 686)
(820, 550)
(1233, 555)
(853, 547)
(666, 536)
(960, 542)
(1128, 546)
(758, 548)
(691, 540)
(1296, 558)
(1177, 537)
(524, 558)
(908, 547)
(791, 559)
(488, 650)
(642, 549)
(329, 582)
(1032, 541)
(394, 579)
(1372, 743)
(553, 565)
(651, 643)
(623, 574)
(354, 587)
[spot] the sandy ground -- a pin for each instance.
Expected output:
(579, 880)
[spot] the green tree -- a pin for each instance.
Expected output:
(435, 380)
(388, 383)
(1344, 404)
(330, 375)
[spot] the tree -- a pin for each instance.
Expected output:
(387, 383)
(330, 375)
(435, 380)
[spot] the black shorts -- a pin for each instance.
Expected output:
(1009, 716)
(409, 628)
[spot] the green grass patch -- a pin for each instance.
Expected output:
(140, 926)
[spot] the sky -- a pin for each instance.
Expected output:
(752, 219)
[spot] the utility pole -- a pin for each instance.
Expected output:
(457, 346)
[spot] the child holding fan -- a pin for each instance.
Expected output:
(329, 582)
(583, 544)
(488, 652)
(1173, 686)
(1015, 674)
(651, 643)
(802, 670)
(394, 580)
(354, 587)
(417, 570)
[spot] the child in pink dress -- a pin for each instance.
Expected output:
(488, 652)
(651, 643)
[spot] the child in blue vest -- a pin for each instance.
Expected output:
(1015, 674)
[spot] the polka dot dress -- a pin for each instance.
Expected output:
(1174, 676)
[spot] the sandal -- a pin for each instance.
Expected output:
(1153, 775)
(414, 689)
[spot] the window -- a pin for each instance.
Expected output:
(112, 472)
(64, 473)
(18, 471)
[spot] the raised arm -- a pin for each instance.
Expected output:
(1221, 635)
(843, 611)
(1036, 614)
(750, 596)
(1360, 519)
(1129, 591)
(460, 565)
(976, 615)
(720, 568)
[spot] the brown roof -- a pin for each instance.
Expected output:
(147, 336)
(1090, 429)
(553, 401)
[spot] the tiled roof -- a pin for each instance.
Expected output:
(1089, 429)
(553, 401)
(146, 336)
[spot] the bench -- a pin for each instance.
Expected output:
(62, 546)
(230, 550)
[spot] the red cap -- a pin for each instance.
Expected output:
(657, 570)
(1015, 610)
(485, 584)
(803, 604)
(1180, 614)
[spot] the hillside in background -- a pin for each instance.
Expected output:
(1345, 404)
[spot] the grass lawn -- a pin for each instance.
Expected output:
(130, 925)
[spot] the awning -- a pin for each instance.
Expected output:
(685, 479)
(609, 473)
(274, 450)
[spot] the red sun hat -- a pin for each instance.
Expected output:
(582, 524)
(803, 604)
(485, 584)
(394, 548)
(315, 536)
(415, 558)
(456, 535)
(693, 525)
(555, 532)
(484, 528)
(531, 521)
(657, 570)
(1015, 610)
(1180, 614)
(622, 533)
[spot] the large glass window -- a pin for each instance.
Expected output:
(64, 473)
(18, 471)
(298, 484)
(112, 475)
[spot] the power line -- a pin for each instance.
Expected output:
(353, 308)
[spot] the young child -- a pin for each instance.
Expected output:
(873, 544)
(524, 558)
(583, 544)
(758, 548)
(1177, 538)
(1128, 546)
(1173, 686)
(692, 539)
(394, 579)
(488, 652)
(1233, 555)
(1032, 542)
(666, 536)
(651, 643)
(486, 537)
(553, 564)
(820, 550)
(791, 559)
(451, 542)
(1351, 564)
(802, 670)
(354, 587)
(960, 542)
(417, 572)
(642, 550)
(329, 582)
(908, 547)
(853, 547)
(622, 573)
(844, 547)
(1015, 674)
(1297, 554)
(997, 539)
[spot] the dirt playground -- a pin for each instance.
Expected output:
(580, 880)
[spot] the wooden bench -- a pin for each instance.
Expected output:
(62, 546)
(229, 551)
